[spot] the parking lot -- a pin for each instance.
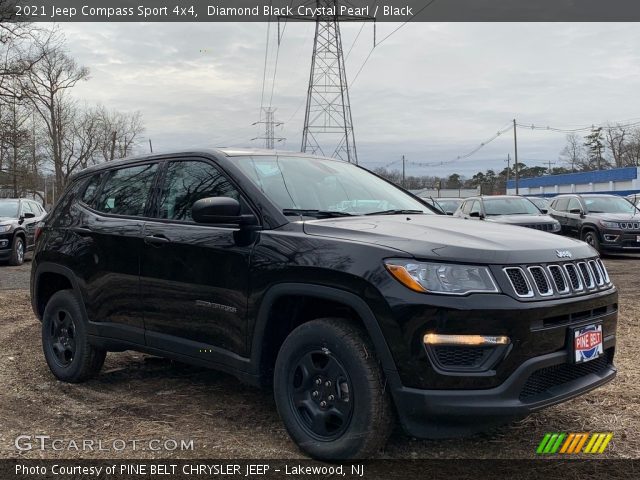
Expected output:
(140, 397)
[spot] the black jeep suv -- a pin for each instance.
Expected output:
(350, 296)
(18, 219)
(608, 223)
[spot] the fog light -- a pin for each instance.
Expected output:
(4, 243)
(477, 340)
(611, 238)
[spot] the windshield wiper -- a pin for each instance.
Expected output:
(396, 212)
(315, 213)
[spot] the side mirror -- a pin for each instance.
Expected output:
(29, 215)
(544, 210)
(449, 213)
(220, 210)
(475, 215)
(576, 211)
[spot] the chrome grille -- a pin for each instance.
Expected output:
(558, 278)
(604, 271)
(561, 279)
(545, 227)
(541, 280)
(586, 275)
(596, 272)
(519, 281)
(574, 277)
(630, 225)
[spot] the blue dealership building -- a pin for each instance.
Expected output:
(619, 181)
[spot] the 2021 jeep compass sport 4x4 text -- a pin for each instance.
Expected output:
(350, 296)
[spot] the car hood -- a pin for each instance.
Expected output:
(6, 220)
(448, 238)
(520, 219)
(616, 217)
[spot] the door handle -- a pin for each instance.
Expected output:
(156, 240)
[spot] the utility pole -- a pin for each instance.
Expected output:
(328, 124)
(269, 128)
(515, 148)
(404, 183)
(150, 146)
(550, 163)
(508, 166)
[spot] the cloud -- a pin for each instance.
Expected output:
(431, 91)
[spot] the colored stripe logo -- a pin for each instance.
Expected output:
(573, 443)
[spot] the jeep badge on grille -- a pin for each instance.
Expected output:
(563, 254)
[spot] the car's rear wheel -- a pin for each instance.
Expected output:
(65, 341)
(329, 391)
(17, 251)
(592, 239)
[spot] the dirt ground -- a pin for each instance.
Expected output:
(142, 398)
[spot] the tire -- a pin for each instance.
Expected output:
(591, 237)
(336, 360)
(65, 341)
(18, 250)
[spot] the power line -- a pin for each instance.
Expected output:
(386, 37)
(571, 130)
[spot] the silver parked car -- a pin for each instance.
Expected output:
(508, 209)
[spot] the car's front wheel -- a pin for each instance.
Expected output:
(592, 239)
(70, 356)
(17, 251)
(329, 391)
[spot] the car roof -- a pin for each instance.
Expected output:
(568, 195)
(226, 152)
(489, 197)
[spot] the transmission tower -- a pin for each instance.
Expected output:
(270, 125)
(328, 125)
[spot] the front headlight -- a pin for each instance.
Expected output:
(447, 278)
(556, 227)
(5, 228)
(609, 224)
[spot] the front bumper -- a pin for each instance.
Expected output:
(447, 413)
(5, 246)
(620, 241)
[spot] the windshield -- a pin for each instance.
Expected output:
(609, 205)
(540, 202)
(449, 205)
(9, 208)
(509, 206)
(314, 184)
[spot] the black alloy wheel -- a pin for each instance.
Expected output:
(321, 395)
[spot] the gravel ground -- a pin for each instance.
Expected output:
(140, 397)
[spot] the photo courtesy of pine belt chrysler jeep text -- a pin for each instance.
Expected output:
(354, 300)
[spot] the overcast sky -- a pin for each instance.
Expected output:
(431, 91)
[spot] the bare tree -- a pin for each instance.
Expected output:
(614, 139)
(18, 47)
(15, 143)
(121, 133)
(632, 149)
(47, 86)
(574, 154)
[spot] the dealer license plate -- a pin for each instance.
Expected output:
(587, 343)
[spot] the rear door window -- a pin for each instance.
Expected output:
(127, 191)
